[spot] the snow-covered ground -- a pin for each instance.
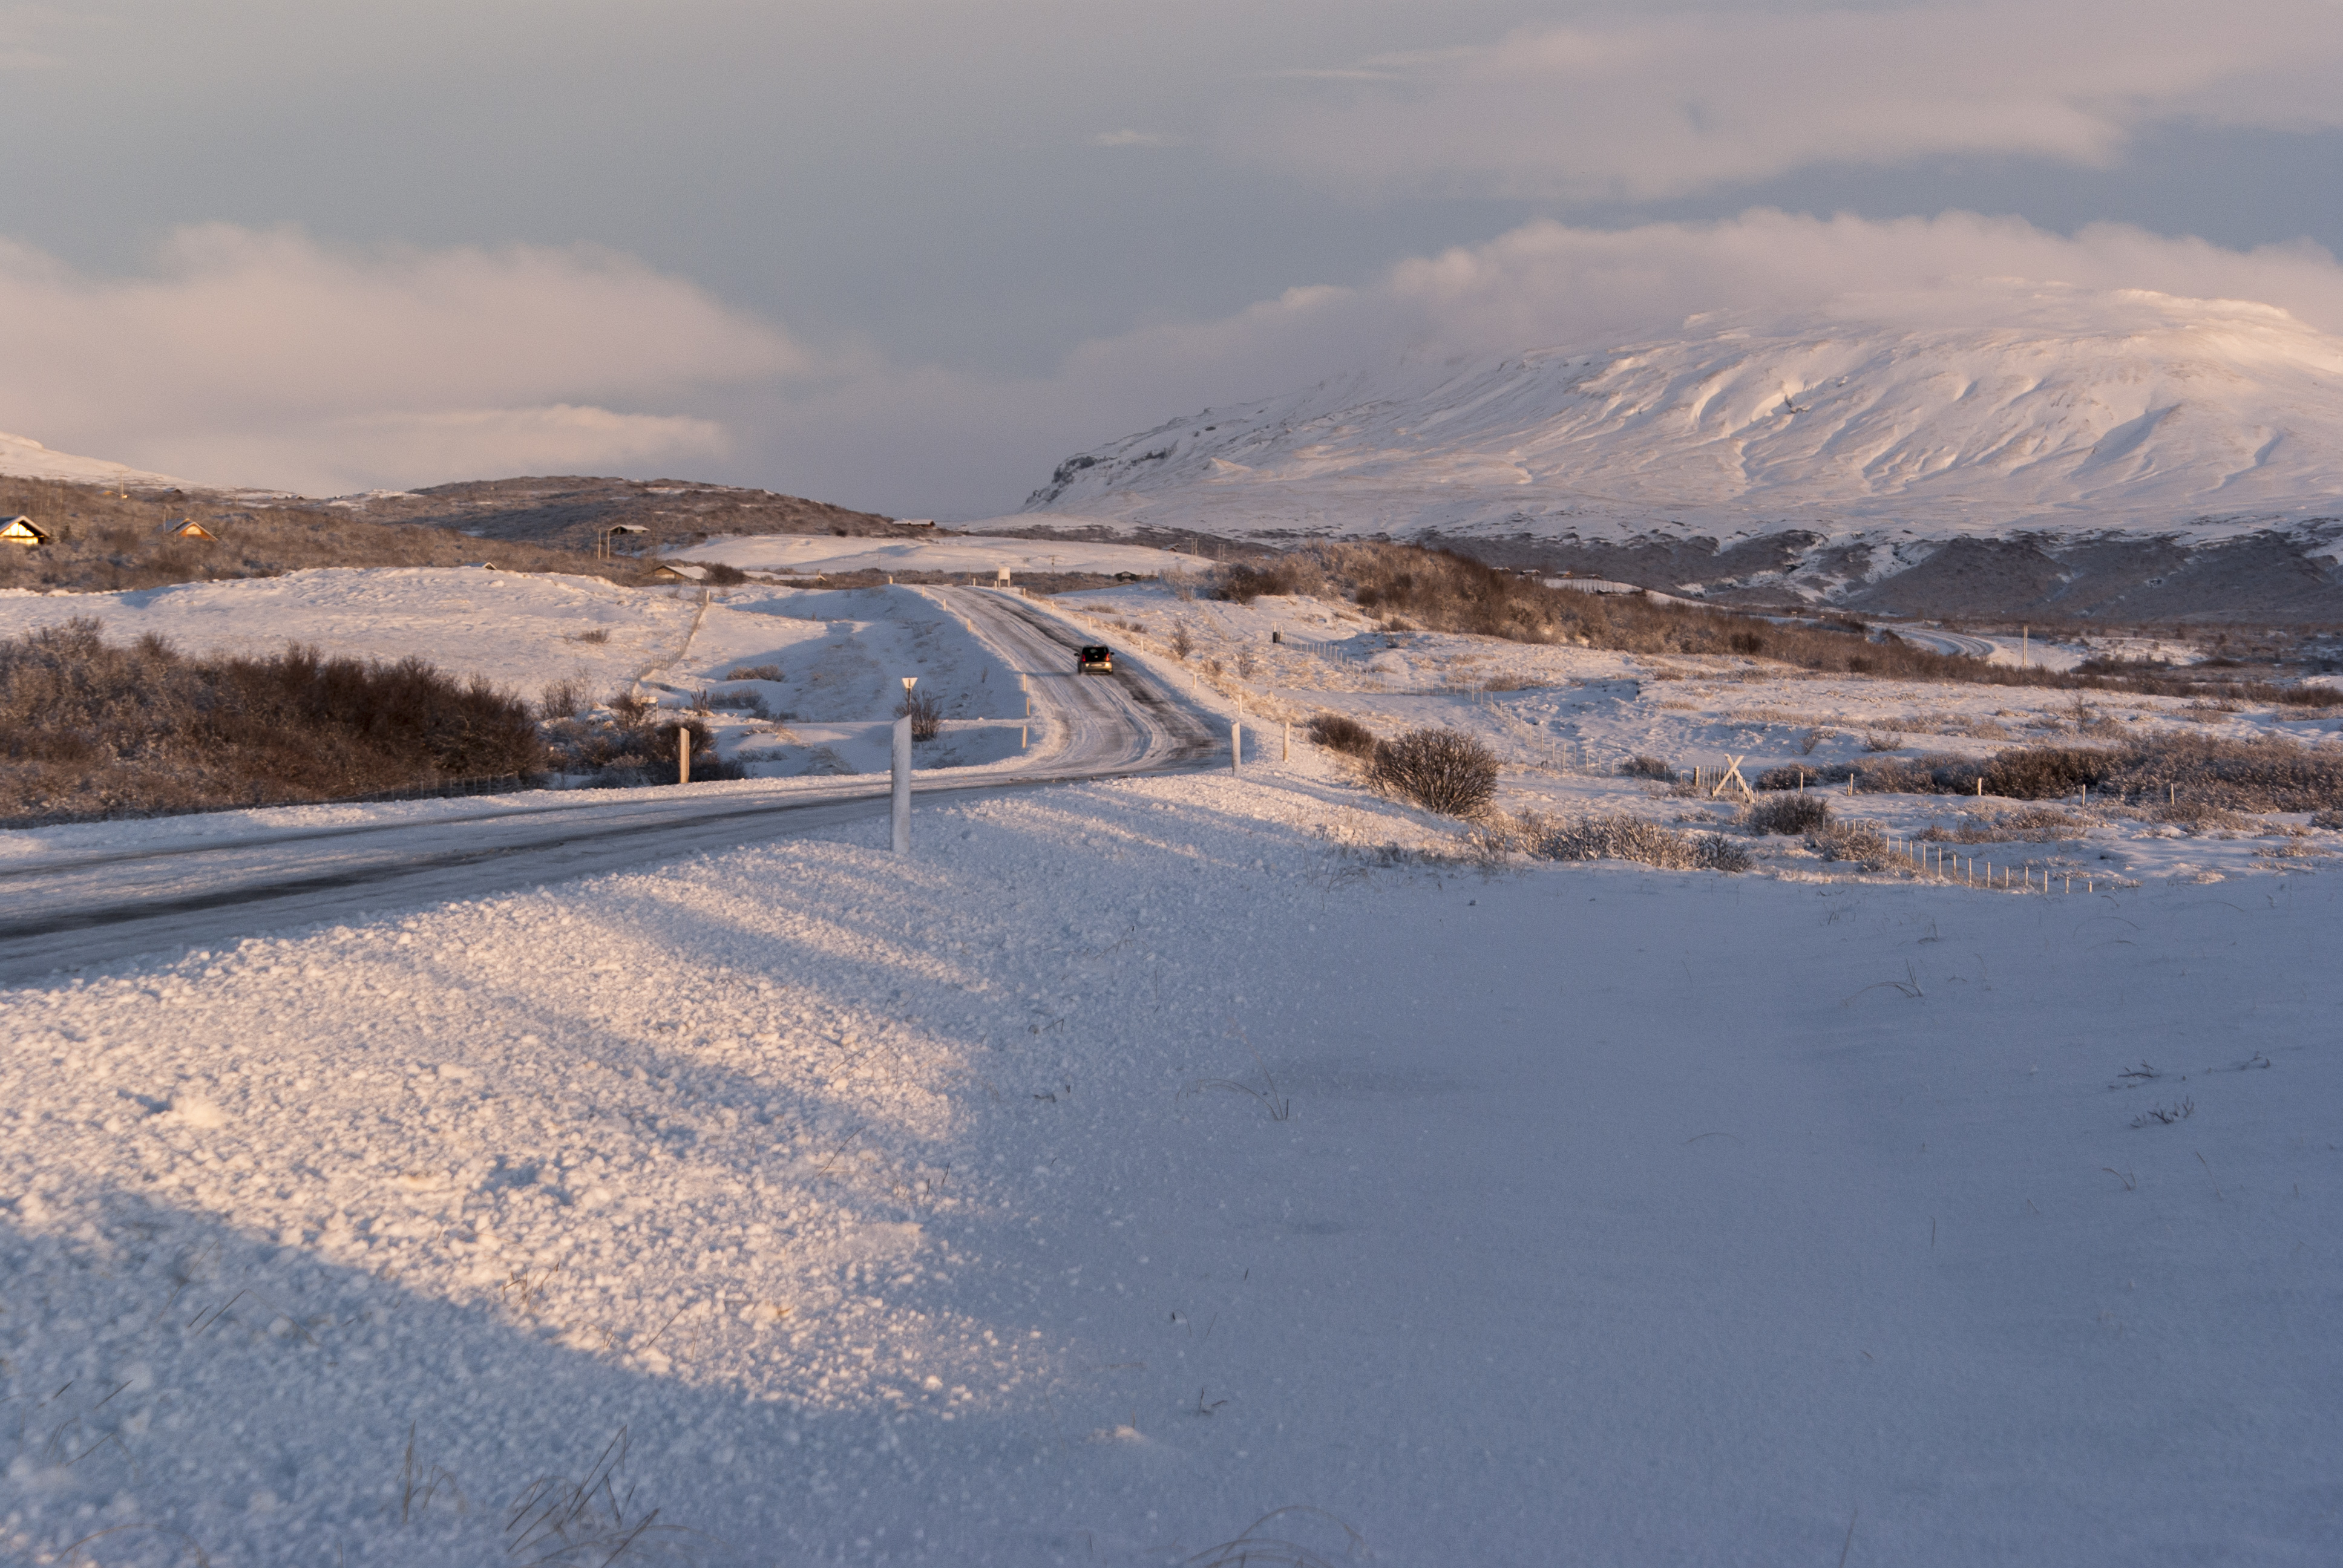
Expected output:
(972, 553)
(1140, 1157)
(523, 630)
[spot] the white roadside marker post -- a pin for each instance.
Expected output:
(902, 781)
(683, 754)
(1236, 747)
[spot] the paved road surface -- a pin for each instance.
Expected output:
(93, 909)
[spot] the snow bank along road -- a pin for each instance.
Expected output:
(71, 910)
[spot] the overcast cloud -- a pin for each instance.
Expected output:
(908, 255)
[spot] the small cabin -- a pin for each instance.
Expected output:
(21, 530)
(679, 571)
(188, 528)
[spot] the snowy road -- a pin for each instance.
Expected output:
(1936, 641)
(90, 909)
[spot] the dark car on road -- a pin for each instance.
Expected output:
(1094, 660)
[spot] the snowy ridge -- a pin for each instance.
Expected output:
(24, 458)
(2019, 406)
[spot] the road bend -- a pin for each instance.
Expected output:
(69, 912)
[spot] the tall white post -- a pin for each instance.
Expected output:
(1236, 747)
(903, 785)
(682, 755)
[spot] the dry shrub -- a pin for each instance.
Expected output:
(1882, 740)
(2272, 774)
(1443, 591)
(562, 699)
(1790, 815)
(94, 729)
(2027, 824)
(1244, 582)
(624, 746)
(2329, 819)
(753, 672)
(740, 700)
(1863, 843)
(1440, 769)
(723, 575)
(925, 712)
(1642, 767)
(1340, 732)
(1620, 837)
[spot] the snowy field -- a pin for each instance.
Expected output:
(1140, 1157)
(972, 553)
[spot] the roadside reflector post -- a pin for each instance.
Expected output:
(1286, 753)
(903, 780)
(683, 754)
(1236, 747)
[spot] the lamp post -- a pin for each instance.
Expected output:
(902, 781)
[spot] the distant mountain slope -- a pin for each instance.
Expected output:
(1825, 453)
(22, 458)
(570, 510)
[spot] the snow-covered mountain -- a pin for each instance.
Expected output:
(1834, 447)
(22, 458)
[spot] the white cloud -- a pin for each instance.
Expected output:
(945, 443)
(1643, 106)
(268, 358)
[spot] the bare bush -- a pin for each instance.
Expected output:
(2027, 824)
(742, 700)
(562, 699)
(1440, 769)
(925, 712)
(2261, 774)
(1244, 582)
(634, 746)
(1642, 767)
(1882, 740)
(94, 729)
(1812, 738)
(1863, 843)
(1620, 837)
(600, 634)
(1339, 732)
(723, 575)
(1789, 814)
(1182, 643)
(753, 672)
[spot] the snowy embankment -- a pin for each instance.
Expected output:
(1137, 1159)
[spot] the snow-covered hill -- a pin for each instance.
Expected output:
(24, 458)
(1844, 444)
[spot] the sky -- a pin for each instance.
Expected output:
(907, 255)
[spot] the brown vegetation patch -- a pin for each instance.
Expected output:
(1441, 591)
(2183, 772)
(104, 543)
(91, 729)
